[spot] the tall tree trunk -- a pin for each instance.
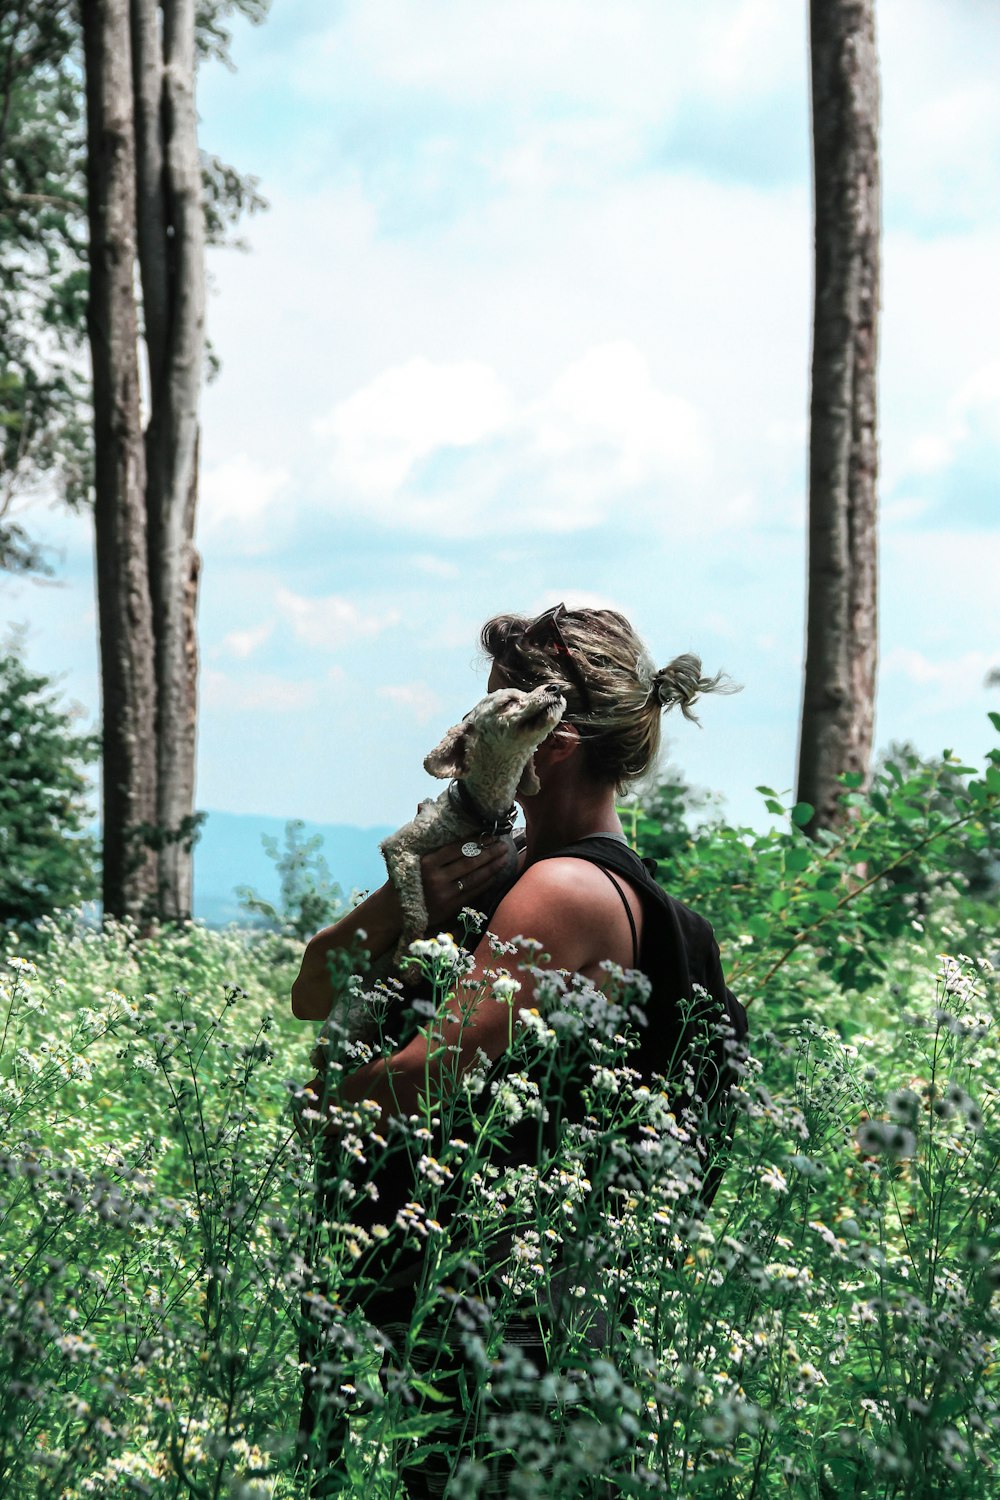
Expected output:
(172, 253)
(124, 606)
(841, 640)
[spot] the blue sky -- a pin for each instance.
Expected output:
(528, 319)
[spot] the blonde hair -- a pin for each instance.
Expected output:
(614, 693)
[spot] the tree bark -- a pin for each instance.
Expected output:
(173, 280)
(151, 224)
(124, 605)
(841, 633)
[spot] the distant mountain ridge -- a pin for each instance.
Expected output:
(230, 853)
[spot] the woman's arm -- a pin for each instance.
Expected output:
(379, 917)
(569, 907)
(450, 882)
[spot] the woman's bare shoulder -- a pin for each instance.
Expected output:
(568, 905)
(569, 878)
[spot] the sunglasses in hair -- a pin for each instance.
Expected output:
(545, 633)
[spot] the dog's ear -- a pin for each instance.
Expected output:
(450, 759)
(529, 783)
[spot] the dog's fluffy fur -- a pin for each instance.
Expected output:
(492, 753)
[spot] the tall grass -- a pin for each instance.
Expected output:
(829, 1328)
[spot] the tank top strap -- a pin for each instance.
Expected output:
(664, 931)
(628, 912)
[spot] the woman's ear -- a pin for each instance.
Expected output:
(450, 759)
(562, 742)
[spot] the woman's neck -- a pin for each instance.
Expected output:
(565, 811)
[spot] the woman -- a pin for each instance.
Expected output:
(578, 888)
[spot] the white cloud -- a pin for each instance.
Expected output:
(237, 499)
(901, 509)
(437, 567)
(568, 154)
(420, 700)
(602, 433)
(630, 57)
(941, 109)
(975, 407)
(956, 679)
(243, 643)
(971, 413)
(408, 412)
(331, 622)
(747, 48)
(607, 400)
(259, 692)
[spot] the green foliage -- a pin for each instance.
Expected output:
(921, 837)
(213, 37)
(973, 857)
(309, 899)
(42, 251)
(830, 1328)
(44, 392)
(170, 1246)
(663, 819)
(47, 859)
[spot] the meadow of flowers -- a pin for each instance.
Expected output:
(830, 1327)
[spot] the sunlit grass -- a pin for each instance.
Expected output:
(829, 1328)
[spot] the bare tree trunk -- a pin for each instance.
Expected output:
(151, 224)
(841, 634)
(127, 677)
(173, 278)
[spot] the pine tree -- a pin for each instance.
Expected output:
(47, 855)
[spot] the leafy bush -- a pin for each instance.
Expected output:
(47, 858)
(916, 845)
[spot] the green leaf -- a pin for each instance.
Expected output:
(802, 812)
(852, 779)
(993, 718)
(425, 1388)
(798, 858)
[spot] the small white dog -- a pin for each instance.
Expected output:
(489, 758)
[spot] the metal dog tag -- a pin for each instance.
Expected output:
(471, 849)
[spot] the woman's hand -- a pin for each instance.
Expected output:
(451, 880)
(375, 925)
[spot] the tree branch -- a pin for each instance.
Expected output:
(41, 200)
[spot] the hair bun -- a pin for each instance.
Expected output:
(680, 682)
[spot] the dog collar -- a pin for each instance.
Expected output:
(465, 803)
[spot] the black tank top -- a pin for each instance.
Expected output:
(690, 1015)
(677, 952)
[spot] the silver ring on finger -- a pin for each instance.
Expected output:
(461, 885)
(471, 849)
